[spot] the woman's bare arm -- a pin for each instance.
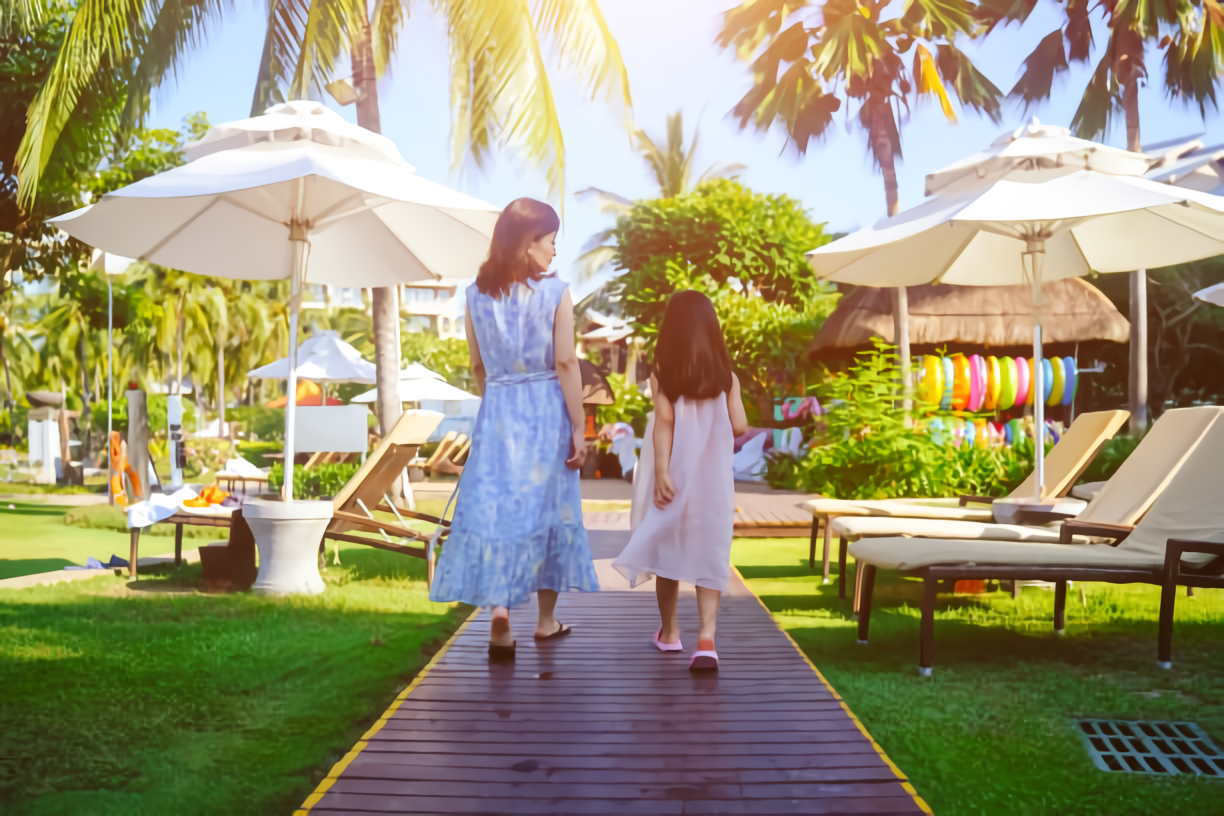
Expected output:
(569, 374)
(478, 369)
(664, 433)
(735, 407)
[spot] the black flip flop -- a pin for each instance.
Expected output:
(502, 654)
(562, 631)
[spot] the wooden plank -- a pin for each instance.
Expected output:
(600, 722)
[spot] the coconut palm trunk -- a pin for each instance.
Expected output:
(882, 145)
(85, 423)
(1137, 381)
(384, 309)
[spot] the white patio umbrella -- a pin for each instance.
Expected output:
(1021, 231)
(417, 383)
(297, 194)
(1212, 294)
(323, 357)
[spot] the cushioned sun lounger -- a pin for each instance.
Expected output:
(1122, 500)
(1063, 466)
(1178, 542)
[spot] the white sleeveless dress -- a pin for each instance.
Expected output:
(690, 539)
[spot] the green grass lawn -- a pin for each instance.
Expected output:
(992, 731)
(166, 701)
(34, 538)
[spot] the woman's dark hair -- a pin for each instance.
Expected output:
(691, 357)
(522, 223)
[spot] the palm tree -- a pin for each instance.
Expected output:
(500, 90)
(809, 58)
(1192, 37)
(672, 168)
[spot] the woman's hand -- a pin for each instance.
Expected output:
(664, 491)
(578, 451)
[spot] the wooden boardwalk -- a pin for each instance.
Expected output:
(601, 722)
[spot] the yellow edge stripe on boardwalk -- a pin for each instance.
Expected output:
(887, 761)
(361, 745)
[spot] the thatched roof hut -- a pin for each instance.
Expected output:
(973, 318)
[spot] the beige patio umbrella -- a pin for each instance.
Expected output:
(1025, 231)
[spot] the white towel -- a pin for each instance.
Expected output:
(158, 506)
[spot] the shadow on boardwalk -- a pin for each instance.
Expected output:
(601, 722)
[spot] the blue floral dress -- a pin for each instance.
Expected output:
(518, 517)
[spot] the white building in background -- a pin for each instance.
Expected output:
(432, 306)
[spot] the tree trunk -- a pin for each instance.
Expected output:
(178, 342)
(385, 311)
(1137, 381)
(882, 146)
(8, 386)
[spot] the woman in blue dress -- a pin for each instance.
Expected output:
(518, 518)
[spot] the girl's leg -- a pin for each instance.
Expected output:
(547, 599)
(707, 608)
(666, 593)
(499, 628)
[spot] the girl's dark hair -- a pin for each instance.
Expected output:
(523, 222)
(691, 358)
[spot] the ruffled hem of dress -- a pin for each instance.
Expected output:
(638, 575)
(558, 558)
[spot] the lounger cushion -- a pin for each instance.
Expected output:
(856, 528)
(900, 508)
(912, 553)
(1087, 491)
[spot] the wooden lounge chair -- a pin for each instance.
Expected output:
(1065, 463)
(412, 429)
(1178, 542)
(1121, 500)
(448, 463)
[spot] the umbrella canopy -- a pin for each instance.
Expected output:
(1212, 294)
(421, 389)
(981, 316)
(1025, 232)
(416, 371)
(297, 193)
(323, 357)
(1048, 150)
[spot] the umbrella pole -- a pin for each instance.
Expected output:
(1036, 253)
(297, 236)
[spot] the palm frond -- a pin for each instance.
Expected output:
(1001, 12)
(585, 45)
(1194, 59)
(609, 203)
(1079, 30)
(279, 57)
(499, 87)
(1040, 67)
(748, 26)
(21, 15)
(719, 170)
(325, 38)
(939, 19)
(102, 31)
(971, 85)
(387, 21)
(594, 259)
(926, 75)
(1101, 99)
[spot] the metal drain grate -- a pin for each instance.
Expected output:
(1151, 747)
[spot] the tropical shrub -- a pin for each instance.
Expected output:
(864, 447)
(746, 252)
(320, 482)
(631, 406)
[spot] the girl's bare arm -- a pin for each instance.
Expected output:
(735, 407)
(664, 432)
(569, 374)
(478, 369)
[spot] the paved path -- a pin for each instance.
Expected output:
(602, 723)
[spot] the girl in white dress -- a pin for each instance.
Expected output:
(684, 491)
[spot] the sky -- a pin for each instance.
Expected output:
(673, 62)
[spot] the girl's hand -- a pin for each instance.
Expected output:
(664, 491)
(578, 451)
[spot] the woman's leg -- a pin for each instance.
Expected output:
(707, 608)
(547, 599)
(499, 627)
(666, 593)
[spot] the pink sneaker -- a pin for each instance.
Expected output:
(667, 647)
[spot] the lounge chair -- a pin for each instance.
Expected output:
(354, 503)
(1063, 466)
(1178, 542)
(1121, 501)
(448, 462)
